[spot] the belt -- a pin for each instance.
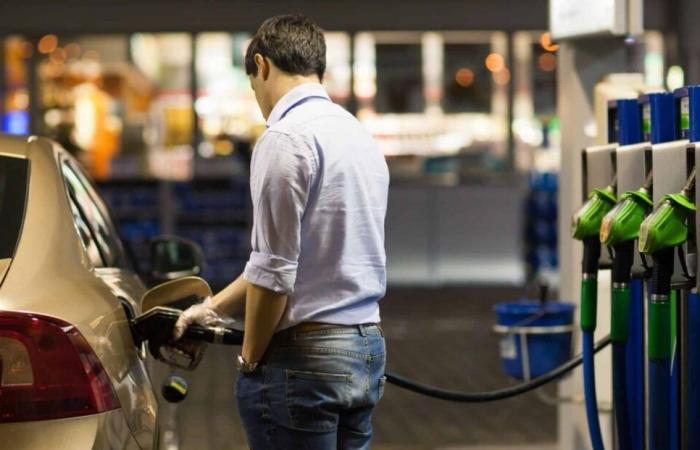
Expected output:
(308, 327)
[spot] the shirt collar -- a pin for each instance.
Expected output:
(294, 95)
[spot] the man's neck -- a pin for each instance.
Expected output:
(287, 83)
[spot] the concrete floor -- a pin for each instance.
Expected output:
(438, 336)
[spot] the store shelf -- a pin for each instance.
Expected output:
(212, 211)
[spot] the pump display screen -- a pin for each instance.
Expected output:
(646, 121)
(684, 116)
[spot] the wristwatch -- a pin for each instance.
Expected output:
(244, 366)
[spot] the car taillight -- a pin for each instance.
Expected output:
(48, 371)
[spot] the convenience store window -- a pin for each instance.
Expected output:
(228, 116)
(338, 72)
(121, 103)
(90, 98)
(227, 112)
(399, 78)
(535, 123)
(467, 82)
(436, 102)
(166, 59)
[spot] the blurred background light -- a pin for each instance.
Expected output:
(495, 62)
(47, 44)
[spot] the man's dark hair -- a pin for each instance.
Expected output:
(294, 43)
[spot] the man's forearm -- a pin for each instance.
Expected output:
(231, 300)
(264, 309)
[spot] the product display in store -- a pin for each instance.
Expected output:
(15, 107)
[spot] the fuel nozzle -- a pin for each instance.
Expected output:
(623, 221)
(587, 220)
(667, 225)
(585, 226)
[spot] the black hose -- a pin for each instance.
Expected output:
(591, 255)
(622, 262)
(662, 271)
(490, 396)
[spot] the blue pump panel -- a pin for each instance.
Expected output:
(659, 117)
(688, 111)
(628, 121)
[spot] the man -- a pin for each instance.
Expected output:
(311, 368)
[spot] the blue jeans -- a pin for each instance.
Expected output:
(315, 390)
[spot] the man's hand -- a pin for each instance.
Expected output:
(204, 314)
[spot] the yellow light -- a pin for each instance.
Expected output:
(495, 62)
(47, 44)
(223, 147)
(546, 42)
(547, 62)
(464, 77)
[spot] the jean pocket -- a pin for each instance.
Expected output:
(315, 398)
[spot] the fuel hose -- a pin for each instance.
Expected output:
(659, 349)
(620, 315)
(589, 305)
(499, 394)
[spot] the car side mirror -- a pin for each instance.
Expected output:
(174, 257)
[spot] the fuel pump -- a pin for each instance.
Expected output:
(660, 236)
(619, 231)
(599, 180)
(688, 109)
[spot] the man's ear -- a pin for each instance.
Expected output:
(263, 65)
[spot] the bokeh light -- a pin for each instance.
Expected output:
(495, 62)
(501, 77)
(546, 42)
(675, 78)
(547, 62)
(47, 44)
(464, 77)
(73, 50)
(58, 55)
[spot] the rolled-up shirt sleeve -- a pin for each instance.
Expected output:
(280, 180)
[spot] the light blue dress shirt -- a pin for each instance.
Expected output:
(319, 185)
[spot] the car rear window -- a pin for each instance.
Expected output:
(14, 174)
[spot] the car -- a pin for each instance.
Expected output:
(72, 373)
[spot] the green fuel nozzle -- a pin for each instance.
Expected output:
(587, 220)
(585, 226)
(623, 221)
(667, 225)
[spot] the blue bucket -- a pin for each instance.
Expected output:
(535, 338)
